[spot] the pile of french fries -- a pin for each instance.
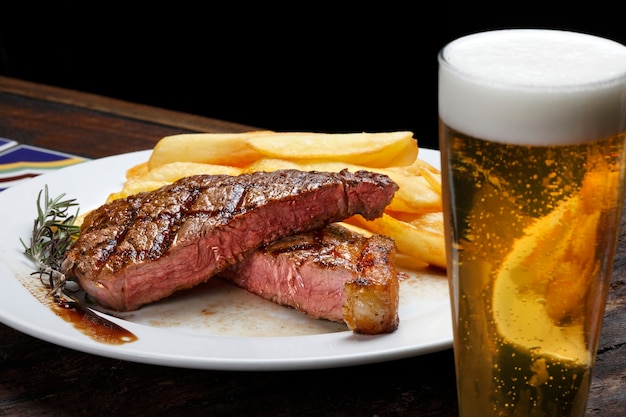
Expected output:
(413, 219)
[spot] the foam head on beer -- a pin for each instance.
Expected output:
(572, 88)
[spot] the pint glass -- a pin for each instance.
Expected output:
(532, 139)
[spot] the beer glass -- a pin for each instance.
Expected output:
(532, 133)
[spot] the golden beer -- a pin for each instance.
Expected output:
(533, 173)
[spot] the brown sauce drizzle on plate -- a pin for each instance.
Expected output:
(73, 311)
(91, 324)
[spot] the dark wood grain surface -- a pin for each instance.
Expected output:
(38, 378)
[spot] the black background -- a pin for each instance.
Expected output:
(301, 66)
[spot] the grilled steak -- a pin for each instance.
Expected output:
(331, 273)
(147, 246)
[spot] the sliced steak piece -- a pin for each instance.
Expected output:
(331, 273)
(145, 247)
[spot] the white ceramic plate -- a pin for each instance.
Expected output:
(215, 326)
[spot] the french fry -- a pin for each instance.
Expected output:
(410, 262)
(134, 186)
(402, 260)
(208, 148)
(357, 229)
(137, 170)
(367, 149)
(271, 165)
(424, 169)
(167, 174)
(176, 170)
(421, 238)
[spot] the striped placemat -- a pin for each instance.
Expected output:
(19, 162)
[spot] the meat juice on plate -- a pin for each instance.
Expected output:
(534, 186)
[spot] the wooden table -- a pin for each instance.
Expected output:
(38, 378)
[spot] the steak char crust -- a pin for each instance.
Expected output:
(145, 247)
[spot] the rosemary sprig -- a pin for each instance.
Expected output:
(53, 233)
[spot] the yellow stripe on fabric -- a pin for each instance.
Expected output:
(17, 166)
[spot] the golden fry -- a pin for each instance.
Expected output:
(367, 149)
(208, 148)
(271, 165)
(422, 168)
(167, 174)
(421, 238)
(137, 170)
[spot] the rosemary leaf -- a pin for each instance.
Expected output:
(53, 233)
